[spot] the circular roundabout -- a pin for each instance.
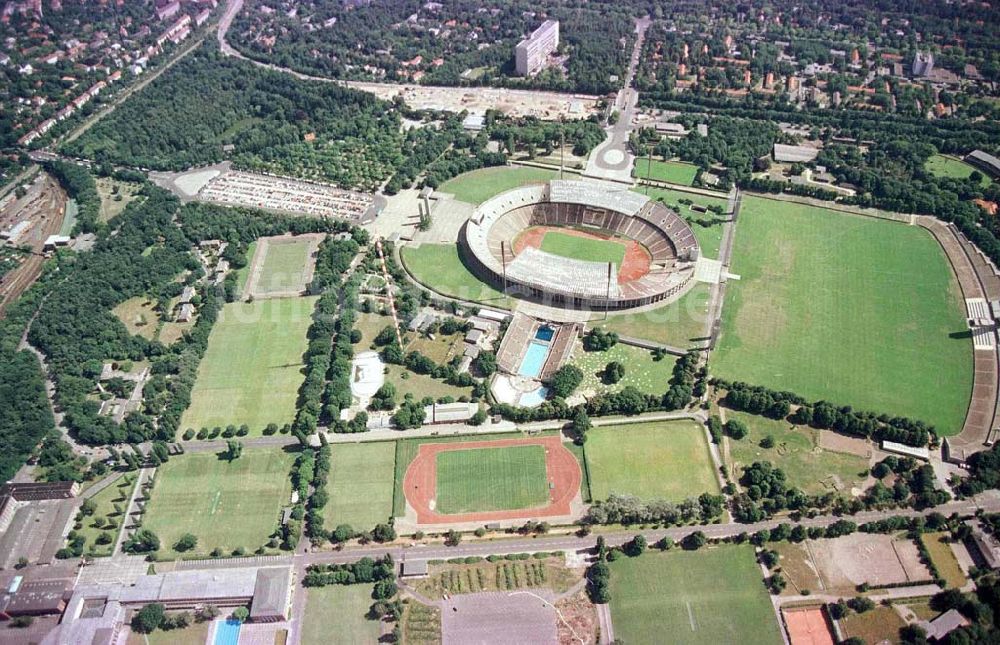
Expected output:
(580, 244)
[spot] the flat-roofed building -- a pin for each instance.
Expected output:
(414, 569)
(37, 598)
(530, 54)
(794, 154)
(457, 412)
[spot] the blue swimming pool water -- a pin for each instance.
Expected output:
(533, 398)
(545, 333)
(227, 633)
(534, 359)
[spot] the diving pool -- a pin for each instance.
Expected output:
(534, 360)
(228, 632)
(545, 333)
(533, 398)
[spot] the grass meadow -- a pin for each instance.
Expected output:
(583, 248)
(722, 598)
(945, 166)
(491, 479)
(856, 311)
(439, 267)
(797, 452)
(336, 615)
(251, 370)
(477, 186)
(360, 484)
(672, 172)
(224, 504)
(681, 323)
(641, 371)
(661, 460)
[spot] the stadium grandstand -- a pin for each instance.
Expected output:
(487, 245)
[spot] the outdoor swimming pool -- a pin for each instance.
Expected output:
(534, 359)
(228, 632)
(545, 333)
(533, 398)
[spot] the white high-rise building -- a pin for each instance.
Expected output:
(923, 64)
(530, 53)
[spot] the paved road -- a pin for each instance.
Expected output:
(612, 159)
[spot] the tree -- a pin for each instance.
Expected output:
(147, 619)
(234, 449)
(637, 546)
(186, 543)
(694, 541)
(240, 614)
(142, 541)
(565, 380)
(452, 538)
(767, 442)
(342, 533)
(613, 372)
(581, 423)
(383, 533)
(736, 429)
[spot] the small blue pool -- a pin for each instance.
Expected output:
(227, 633)
(534, 359)
(545, 334)
(533, 398)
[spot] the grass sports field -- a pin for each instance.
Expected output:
(479, 185)
(641, 371)
(945, 166)
(681, 323)
(662, 460)
(438, 267)
(852, 310)
(583, 248)
(251, 370)
(224, 504)
(722, 600)
(797, 452)
(491, 479)
(672, 172)
(360, 484)
(283, 266)
(336, 615)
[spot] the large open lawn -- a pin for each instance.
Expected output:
(641, 371)
(945, 166)
(491, 479)
(661, 460)
(439, 267)
(283, 266)
(105, 518)
(251, 371)
(856, 311)
(672, 172)
(336, 615)
(712, 595)
(224, 504)
(477, 186)
(360, 484)
(583, 248)
(707, 226)
(798, 453)
(681, 323)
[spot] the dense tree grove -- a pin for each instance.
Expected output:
(777, 405)
(25, 415)
(207, 102)
(363, 571)
(628, 509)
(79, 184)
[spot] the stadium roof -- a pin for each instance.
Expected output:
(615, 197)
(986, 160)
(271, 592)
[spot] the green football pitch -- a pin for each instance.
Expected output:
(851, 310)
(283, 266)
(583, 248)
(661, 460)
(360, 484)
(439, 267)
(224, 504)
(713, 595)
(491, 479)
(944, 166)
(672, 172)
(251, 370)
